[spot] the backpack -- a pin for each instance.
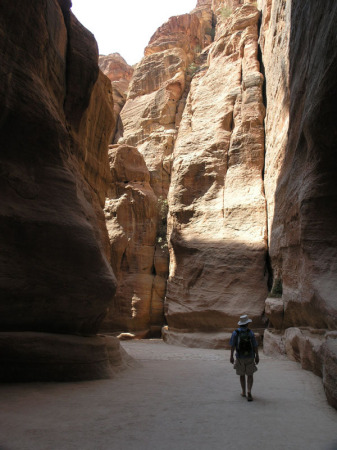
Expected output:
(244, 344)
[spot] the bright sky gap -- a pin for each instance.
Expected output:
(127, 26)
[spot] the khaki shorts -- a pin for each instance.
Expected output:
(245, 366)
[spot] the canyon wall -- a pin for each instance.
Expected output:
(141, 267)
(300, 161)
(120, 73)
(239, 134)
(300, 61)
(217, 209)
(55, 125)
(136, 206)
(218, 190)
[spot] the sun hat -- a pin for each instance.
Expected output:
(244, 320)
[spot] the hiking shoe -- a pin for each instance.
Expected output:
(249, 397)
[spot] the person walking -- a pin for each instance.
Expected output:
(247, 355)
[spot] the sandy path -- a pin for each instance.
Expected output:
(177, 399)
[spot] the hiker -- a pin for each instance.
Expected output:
(247, 355)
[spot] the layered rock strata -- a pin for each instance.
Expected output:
(217, 211)
(120, 74)
(140, 265)
(304, 195)
(136, 206)
(300, 179)
(150, 114)
(56, 121)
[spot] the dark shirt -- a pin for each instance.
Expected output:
(234, 343)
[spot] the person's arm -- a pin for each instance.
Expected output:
(257, 358)
(255, 348)
(232, 343)
(232, 354)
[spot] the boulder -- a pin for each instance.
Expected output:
(330, 371)
(218, 340)
(305, 347)
(274, 310)
(273, 343)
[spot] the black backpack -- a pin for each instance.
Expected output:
(244, 345)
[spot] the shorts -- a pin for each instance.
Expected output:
(245, 366)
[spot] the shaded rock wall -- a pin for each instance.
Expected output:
(55, 125)
(304, 223)
(300, 60)
(131, 212)
(120, 74)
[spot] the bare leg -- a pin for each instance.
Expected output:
(243, 384)
(249, 387)
(250, 383)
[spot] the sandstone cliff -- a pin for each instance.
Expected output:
(141, 268)
(239, 133)
(149, 122)
(300, 62)
(120, 74)
(56, 121)
(157, 87)
(217, 213)
(229, 121)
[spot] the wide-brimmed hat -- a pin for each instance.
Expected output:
(244, 320)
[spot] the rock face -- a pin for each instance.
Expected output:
(150, 114)
(300, 182)
(299, 160)
(208, 169)
(120, 74)
(237, 140)
(136, 206)
(131, 213)
(56, 120)
(217, 212)
(242, 138)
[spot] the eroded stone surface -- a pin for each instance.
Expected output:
(300, 161)
(273, 343)
(56, 123)
(314, 349)
(217, 215)
(131, 212)
(330, 371)
(136, 208)
(120, 73)
(299, 172)
(157, 87)
(32, 356)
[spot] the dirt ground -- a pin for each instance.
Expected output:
(174, 399)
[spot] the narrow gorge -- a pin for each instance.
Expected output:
(168, 198)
